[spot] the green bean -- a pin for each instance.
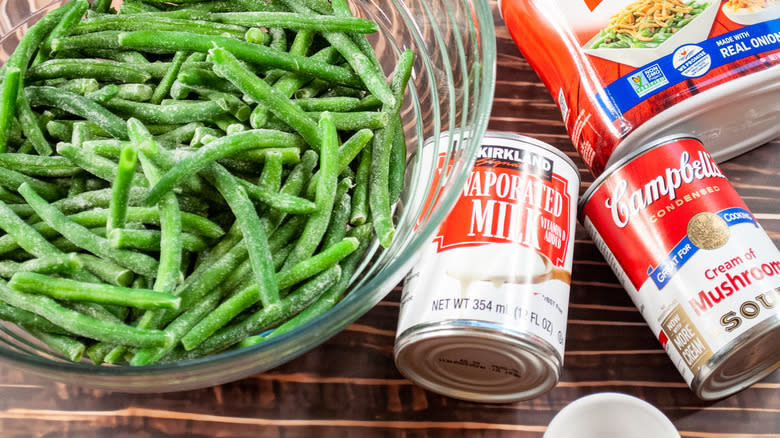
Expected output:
(220, 316)
(35, 165)
(336, 291)
(278, 38)
(229, 102)
(359, 214)
(98, 351)
(378, 195)
(107, 270)
(81, 237)
(258, 5)
(341, 9)
(165, 160)
(136, 92)
(347, 152)
(91, 199)
(153, 21)
(25, 148)
(82, 325)
(325, 195)
(247, 162)
(30, 126)
(397, 163)
(63, 28)
(53, 264)
(228, 66)
(206, 277)
(205, 78)
(100, 167)
(279, 201)
(353, 121)
(266, 318)
(225, 146)
(66, 128)
(295, 182)
(182, 134)
(191, 224)
(333, 104)
(102, 70)
(313, 89)
(120, 191)
(16, 66)
(149, 240)
(255, 237)
(289, 82)
(164, 86)
(312, 266)
(80, 106)
(178, 328)
(10, 90)
(292, 20)
(71, 348)
(168, 272)
(284, 233)
(101, 6)
(179, 113)
(28, 320)
(12, 179)
(106, 40)
(80, 86)
(93, 311)
(253, 53)
(128, 58)
(8, 196)
(271, 176)
(337, 228)
(78, 184)
(235, 128)
(66, 289)
(103, 94)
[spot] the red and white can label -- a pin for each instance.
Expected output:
(685, 246)
(503, 255)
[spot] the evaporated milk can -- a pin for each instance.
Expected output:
(694, 260)
(483, 314)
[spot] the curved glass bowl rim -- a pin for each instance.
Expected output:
(356, 302)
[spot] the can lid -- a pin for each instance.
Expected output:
(477, 363)
(743, 362)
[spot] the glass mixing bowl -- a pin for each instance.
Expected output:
(451, 92)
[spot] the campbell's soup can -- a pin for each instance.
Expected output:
(483, 313)
(627, 72)
(694, 260)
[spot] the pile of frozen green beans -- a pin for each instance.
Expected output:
(178, 180)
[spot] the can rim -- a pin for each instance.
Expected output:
(621, 163)
(531, 346)
(699, 383)
(520, 138)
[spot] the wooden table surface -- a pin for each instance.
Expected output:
(349, 386)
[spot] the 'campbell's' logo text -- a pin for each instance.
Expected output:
(625, 205)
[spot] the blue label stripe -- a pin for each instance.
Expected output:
(630, 90)
(677, 257)
(685, 249)
(737, 215)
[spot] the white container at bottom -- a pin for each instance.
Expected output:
(610, 415)
(483, 314)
